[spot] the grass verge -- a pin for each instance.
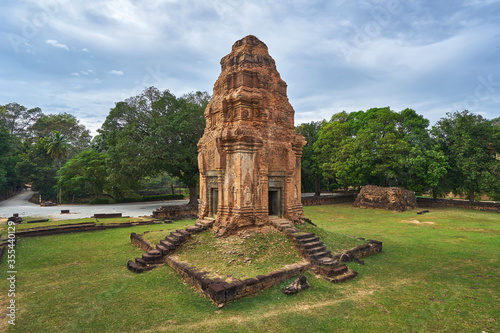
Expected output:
(438, 272)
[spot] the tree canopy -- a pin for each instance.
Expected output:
(152, 133)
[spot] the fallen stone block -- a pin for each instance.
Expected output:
(296, 286)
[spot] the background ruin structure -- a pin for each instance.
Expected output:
(249, 155)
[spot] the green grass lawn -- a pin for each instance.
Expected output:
(236, 257)
(438, 272)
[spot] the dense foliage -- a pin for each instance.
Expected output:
(148, 145)
(382, 147)
(153, 133)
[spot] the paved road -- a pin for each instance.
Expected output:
(20, 204)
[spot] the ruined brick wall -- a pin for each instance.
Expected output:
(391, 198)
(249, 155)
(486, 206)
(328, 199)
(221, 292)
(175, 212)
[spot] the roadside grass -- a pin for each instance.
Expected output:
(431, 277)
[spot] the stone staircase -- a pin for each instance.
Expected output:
(155, 256)
(314, 251)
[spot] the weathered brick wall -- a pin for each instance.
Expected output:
(328, 199)
(140, 242)
(175, 213)
(221, 292)
(487, 206)
(360, 251)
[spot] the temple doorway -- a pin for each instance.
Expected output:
(214, 201)
(275, 202)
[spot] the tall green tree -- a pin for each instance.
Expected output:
(9, 180)
(310, 171)
(84, 174)
(76, 134)
(58, 147)
(471, 143)
(152, 133)
(18, 119)
(38, 168)
(363, 147)
(342, 158)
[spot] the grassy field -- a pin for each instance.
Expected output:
(438, 272)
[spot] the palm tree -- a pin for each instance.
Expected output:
(58, 147)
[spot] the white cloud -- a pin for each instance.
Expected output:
(55, 43)
(116, 72)
(90, 71)
(75, 74)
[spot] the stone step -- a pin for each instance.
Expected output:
(321, 254)
(316, 250)
(184, 232)
(200, 225)
(343, 278)
(309, 240)
(173, 240)
(194, 229)
(152, 256)
(178, 235)
(167, 244)
(312, 245)
(208, 222)
(164, 250)
(140, 262)
(291, 230)
(133, 267)
(326, 261)
(336, 271)
(304, 236)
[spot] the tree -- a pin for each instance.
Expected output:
(363, 147)
(84, 173)
(472, 146)
(57, 148)
(9, 181)
(37, 167)
(176, 128)
(67, 125)
(341, 155)
(152, 133)
(310, 170)
(18, 119)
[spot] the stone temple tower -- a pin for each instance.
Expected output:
(249, 155)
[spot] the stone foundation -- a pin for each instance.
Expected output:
(221, 292)
(175, 213)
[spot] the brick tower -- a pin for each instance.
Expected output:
(249, 155)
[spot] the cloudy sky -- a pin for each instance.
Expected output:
(81, 57)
